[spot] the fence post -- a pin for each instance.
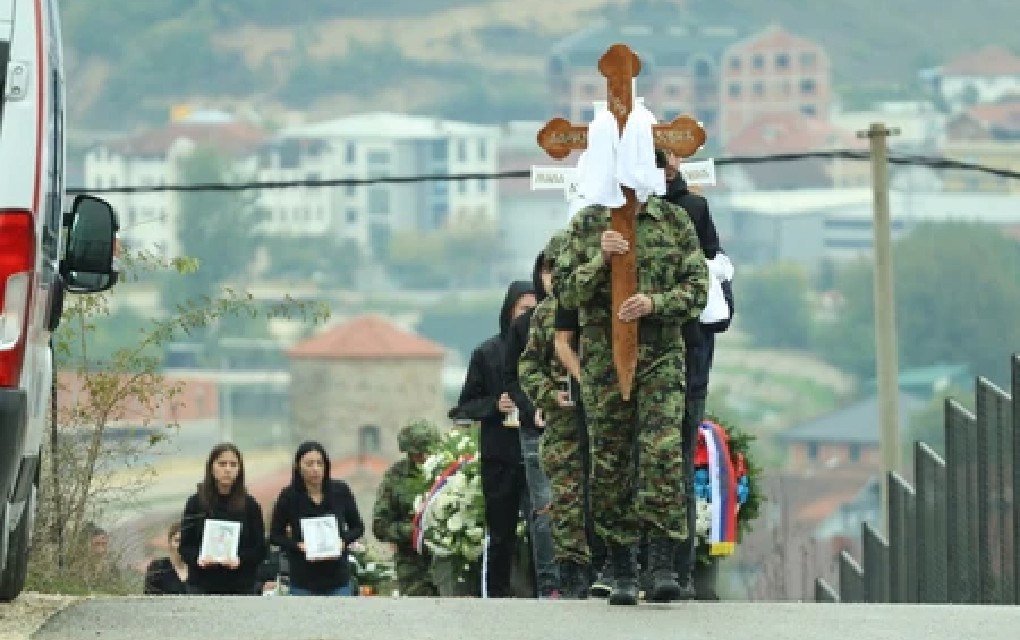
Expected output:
(961, 504)
(851, 579)
(875, 558)
(902, 541)
(932, 546)
(1015, 480)
(823, 592)
(994, 461)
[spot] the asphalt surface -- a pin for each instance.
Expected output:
(381, 618)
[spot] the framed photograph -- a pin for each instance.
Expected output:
(322, 537)
(220, 540)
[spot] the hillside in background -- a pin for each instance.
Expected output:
(478, 59)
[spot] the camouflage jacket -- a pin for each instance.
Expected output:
(394, 504)
(539, 369)
(671, 267)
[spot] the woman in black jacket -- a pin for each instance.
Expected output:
(313, 494)
(223, 496)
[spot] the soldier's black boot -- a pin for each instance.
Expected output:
(684, 563)
(625, 584)
(573, 581)
(603, 583)
(660, 562)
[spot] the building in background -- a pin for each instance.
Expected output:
(723, 75)
(989, 75)
(355, 385)
(153, 158)
(382, 145)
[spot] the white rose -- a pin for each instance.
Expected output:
(455, 523)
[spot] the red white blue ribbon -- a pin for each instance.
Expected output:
(722, 535)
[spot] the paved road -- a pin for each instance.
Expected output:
(383, 618)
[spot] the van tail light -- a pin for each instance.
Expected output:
(17, 260)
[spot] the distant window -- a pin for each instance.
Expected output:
(809, 110)
(782, 61)
(369, 440)
(461, 151)
(440, 150)
(379, 202)
(483, 185)
(462, 186)
(702, 69)
(352, 216)
(351, 153)
(758, 62)
(854, 453)
(812, 451)
(483, 150)
(808, 86)
(758, 88)
(734, 89)
(735, 63)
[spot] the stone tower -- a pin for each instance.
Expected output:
(356, 384)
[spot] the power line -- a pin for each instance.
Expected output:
(941, 164)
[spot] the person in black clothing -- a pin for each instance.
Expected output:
(167, 576)
(483, 398)
(539, 496)
(700, 342)
(312, 493)
(223, 496)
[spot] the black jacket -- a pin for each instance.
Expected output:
(251, 548)
(161, 579)
(293, 505)
(698, 338)
(483, 385)
(516, 341)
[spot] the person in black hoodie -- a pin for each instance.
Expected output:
(700, 342)
(532, 423)
(312, 493)
(483, 398)
(223, 496)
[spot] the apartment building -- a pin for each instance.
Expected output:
(725, 76)
(376, 146)
(153, 158)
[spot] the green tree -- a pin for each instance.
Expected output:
(957, 288)
(774, 306)
(216, 228)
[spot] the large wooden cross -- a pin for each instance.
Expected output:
(684, 136)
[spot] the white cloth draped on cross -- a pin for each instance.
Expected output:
(613, 160)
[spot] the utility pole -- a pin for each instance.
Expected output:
(886, 358)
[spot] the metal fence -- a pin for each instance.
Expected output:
(952, 538)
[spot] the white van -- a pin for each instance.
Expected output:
(36, 266)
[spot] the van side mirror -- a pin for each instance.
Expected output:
(88, 264)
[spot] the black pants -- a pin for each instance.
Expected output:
(505, 487)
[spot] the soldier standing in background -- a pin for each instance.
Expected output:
(394, 509)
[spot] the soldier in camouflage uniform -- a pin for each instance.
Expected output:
(542, 378)
(629, 494)
(394, 509)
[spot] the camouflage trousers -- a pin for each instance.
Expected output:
(562, 461)
(638, 479)
(414, 574)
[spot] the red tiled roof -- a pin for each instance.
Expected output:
(233, 138)
(990, 61)
(194, 400)
(1001, 113)
(772, 38)
(366, 337)
(789, 133)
